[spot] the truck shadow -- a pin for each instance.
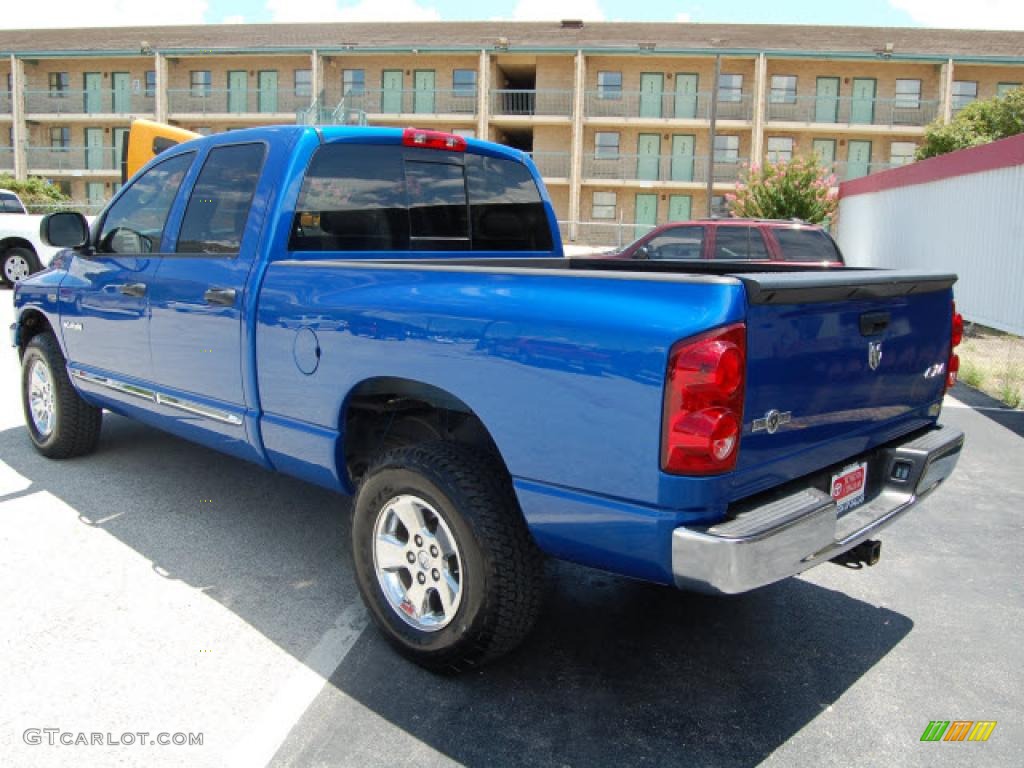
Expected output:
(617, 672)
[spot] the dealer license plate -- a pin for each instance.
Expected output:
(848, 486)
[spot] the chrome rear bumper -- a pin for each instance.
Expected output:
(789, 535)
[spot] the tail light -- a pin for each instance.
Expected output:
(703, 409)
(957, 335)
(417, 137)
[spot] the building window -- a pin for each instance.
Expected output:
(466, 133)
(203, 130)
(719, 208)
(603, 205)
(730, 88)
(60, 138)
(200, 82)
(303, 82)
(1003, 89)
(606, 144)
(783, 89)
(58, 83)
(964, 92)
(353, 81)
(727, 149)
(908, 94)
(150, 82)
(902, 152)
(464, 82)
(609, 85)
(780, 149)
(64, 187)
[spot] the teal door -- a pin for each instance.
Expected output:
(391, 91)
(858, 159)
(648, 149)
(686, 95)
(645, 217)
(825, 149)
(121, 85)
(267, 81)
(682, 158)
(826, 100)
(93, 149)
(651, 85)
(95, 192)
(117, 153)
(238, 86)
(862, 105)
(92, 83)
(423, 97)
(680, 207)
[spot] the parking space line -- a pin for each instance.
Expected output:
(268, 732)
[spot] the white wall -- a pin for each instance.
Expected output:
(972, 225)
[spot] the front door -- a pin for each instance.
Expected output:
(826, 101)
(391, 91)
(651, 85)
(645, 217)
(680, 207)
(92, 84)
(858, 161)
(268, 90)
(648, 149)
(238, 86)
(423, 98)
(94, 149)
(686, 96)
(106, 329)
(117, 153)
(825, 149)
(121, 85)
(682, 158)
(862, 105)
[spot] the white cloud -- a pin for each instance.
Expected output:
(237, 19)
(545, 10)
(100, 13)
(364, 10)
(683, 17)
(957, 14)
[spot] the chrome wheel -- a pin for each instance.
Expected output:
(417, 563)
(40, 398)
(16, 268)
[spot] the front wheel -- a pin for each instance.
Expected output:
(443, 557)
(17, 264)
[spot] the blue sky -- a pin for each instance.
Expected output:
(978, 14)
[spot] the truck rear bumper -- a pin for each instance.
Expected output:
(788, 535)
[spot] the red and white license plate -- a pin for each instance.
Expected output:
(848, 486)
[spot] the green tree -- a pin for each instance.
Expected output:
(798, 189)
(978, 123)
(34, 191)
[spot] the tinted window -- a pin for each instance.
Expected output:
(10, 203)
(219, 204)
(135, 222)
(733, 243)
(806, 245)
(505, 206)
(438, 210)
(678, 243)
(352, 199)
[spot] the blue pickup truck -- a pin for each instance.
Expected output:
(388, 313)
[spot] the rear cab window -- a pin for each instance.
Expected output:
(9, 203)
(806, 245)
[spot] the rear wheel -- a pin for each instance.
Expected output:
(17, 264)
(443, 558)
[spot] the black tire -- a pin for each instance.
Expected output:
(14, 262)
(502, 570)
(75, 429)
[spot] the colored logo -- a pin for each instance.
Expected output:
(958, 730)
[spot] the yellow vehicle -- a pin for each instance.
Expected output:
(146, 140)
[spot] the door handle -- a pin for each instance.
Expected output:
(137, 290)
(225, 297)
(873, 323)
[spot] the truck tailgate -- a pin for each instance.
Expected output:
(840, 354)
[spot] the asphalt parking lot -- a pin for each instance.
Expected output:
(159, 587)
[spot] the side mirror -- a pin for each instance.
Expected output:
(64, 229)
(643, 252)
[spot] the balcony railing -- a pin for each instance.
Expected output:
(237, 101)
(677, 168)
(531, 103)
(72, 159)
(845, 170)
(6, 158)
(383, 101)
(668, 104)
(88, 102)
(853, 111)
(319, 114)
(552, 165)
